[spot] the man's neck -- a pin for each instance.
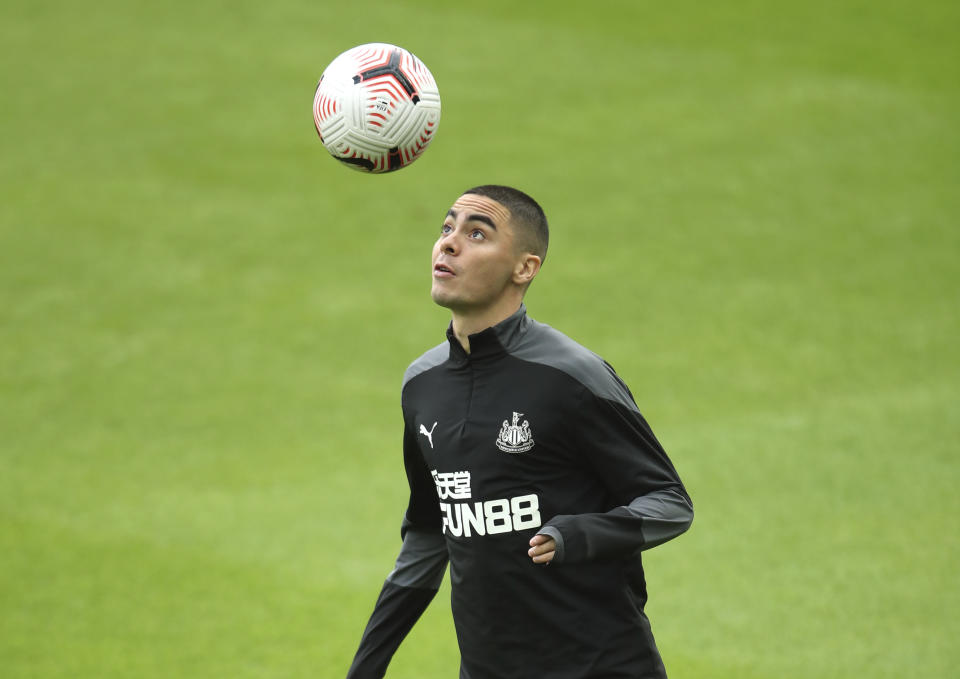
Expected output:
(466, 324)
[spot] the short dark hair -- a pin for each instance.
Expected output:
(525, 213)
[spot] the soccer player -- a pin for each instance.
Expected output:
(531, 472)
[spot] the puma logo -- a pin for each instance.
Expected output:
(428, 434)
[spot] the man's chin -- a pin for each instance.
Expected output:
(441, 299)
(448, 299)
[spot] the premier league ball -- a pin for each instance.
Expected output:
(376, 108)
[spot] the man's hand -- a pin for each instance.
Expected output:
(542, 549)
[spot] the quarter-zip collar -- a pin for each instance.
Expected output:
(491, 342)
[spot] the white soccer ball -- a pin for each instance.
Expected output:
(376, 108)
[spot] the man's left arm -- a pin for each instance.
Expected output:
(653, 505)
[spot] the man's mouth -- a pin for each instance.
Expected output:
(442, 271)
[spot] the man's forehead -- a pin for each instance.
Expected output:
(472, 203)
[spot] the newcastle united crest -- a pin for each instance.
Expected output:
(515, 438)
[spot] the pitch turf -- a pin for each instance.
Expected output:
(205, 320)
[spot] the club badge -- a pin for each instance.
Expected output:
(515, 438)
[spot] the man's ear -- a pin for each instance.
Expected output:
(526, 269)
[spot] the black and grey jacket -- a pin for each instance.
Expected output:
(528, 433)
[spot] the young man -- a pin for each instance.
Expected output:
(531, 472)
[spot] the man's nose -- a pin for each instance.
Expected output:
(448, 243)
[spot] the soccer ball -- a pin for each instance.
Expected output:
(376, 108)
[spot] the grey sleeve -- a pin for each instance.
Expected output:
(554, 532)
(648, 503)
(422, 560)
(415, 578)
(646, 522)
(407, 592)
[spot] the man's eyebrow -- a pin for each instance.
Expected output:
(475, 218)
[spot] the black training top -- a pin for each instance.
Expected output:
(529, 433)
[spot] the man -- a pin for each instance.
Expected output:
(522, 449)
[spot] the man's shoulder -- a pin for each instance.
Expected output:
(429, 359)
(545, 345)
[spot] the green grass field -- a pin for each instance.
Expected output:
(204, 320)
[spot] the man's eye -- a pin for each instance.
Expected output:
(477, 234)
(446, 228)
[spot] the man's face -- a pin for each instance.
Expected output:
(475, 257)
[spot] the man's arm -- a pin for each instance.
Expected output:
(416, 577)
(655, 507)
(648, 521)
(405, 595)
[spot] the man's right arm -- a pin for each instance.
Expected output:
(404, 597)
(416, 577)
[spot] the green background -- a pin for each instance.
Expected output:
(204, 319)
